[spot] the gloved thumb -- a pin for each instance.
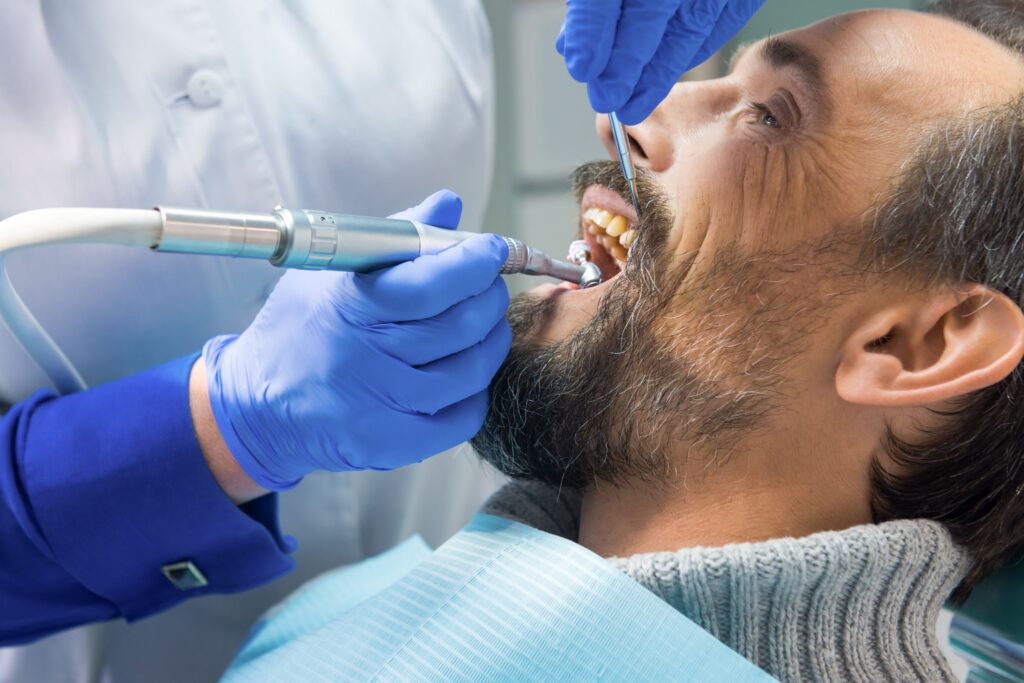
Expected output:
(443, 209)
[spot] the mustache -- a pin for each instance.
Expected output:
(609, 174)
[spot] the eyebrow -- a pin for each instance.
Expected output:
(779, 53)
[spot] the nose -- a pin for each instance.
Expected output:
(653, 142)
(650, 145)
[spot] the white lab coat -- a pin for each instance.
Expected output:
(351, 105)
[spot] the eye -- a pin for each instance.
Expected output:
(765, 116)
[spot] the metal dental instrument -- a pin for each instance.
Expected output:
(579, 253)
(320, 240)
(625, 158)
(311, 240)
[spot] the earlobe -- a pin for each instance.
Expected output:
(926, 351)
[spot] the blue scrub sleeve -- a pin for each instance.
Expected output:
(99, 490)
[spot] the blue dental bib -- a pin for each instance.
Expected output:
(500, 601)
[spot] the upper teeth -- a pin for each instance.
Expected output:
(611, 231)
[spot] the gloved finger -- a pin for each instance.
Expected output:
(424, 287)
(587, 36)
(443, 209)
(560, 40)
(414, 438)
(637, 37)
(460, 327)
(445, 382)
(684, 35)
(733, 18)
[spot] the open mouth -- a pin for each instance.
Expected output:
(609, 226)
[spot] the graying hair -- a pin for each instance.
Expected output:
(957, 217)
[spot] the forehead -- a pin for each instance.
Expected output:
(911, 64)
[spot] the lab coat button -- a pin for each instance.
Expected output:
(184, 575)
(205, 88)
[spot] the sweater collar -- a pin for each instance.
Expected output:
(859, 604)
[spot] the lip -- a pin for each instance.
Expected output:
(606, 198)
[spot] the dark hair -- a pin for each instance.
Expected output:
(955, 217)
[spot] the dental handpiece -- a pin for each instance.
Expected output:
(321, 240)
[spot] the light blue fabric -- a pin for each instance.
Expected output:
(315, 604)
(500, 601)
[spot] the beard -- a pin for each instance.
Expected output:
(670, 362)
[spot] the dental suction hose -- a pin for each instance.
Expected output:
(320, 240)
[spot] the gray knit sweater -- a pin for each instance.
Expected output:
(853, 605)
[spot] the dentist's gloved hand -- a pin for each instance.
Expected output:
(631, 52)
(342, 371)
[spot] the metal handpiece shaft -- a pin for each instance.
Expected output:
(625, 158)
(320, 240)
(530, 261)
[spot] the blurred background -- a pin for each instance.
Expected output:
(545, 128)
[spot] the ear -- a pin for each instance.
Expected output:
(920, 352)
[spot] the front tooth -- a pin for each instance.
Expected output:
(626, 239)
(594, 229)
(590, 214)
(617, 225)
(608, 242)
(602, 218)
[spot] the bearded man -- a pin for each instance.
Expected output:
(792, 411)
(795, 414)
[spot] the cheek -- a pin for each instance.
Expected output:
(736, 194)
(778, 197)
(698, 186)
(776, 203)
(744, 197)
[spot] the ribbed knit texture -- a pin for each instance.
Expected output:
(854, 605)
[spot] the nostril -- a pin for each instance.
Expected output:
(635, 148)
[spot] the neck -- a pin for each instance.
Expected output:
(749, 499)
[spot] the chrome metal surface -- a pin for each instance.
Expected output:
(579, 252)
(220, 233)
(320, 240)
(625, 158)
(517, 254)
(591, 275)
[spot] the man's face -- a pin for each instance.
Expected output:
(741, 281)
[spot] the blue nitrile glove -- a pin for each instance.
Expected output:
(631, 52)
(345, 371)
